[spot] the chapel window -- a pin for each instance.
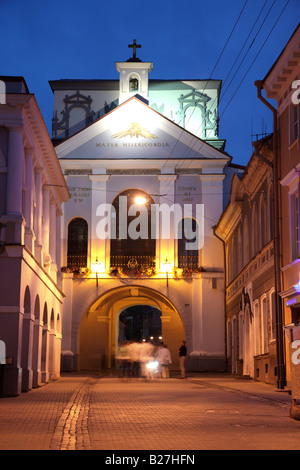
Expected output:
(77, 243)
(134, 245)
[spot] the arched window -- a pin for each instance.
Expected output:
(231, 259)
(234, 256)
(77, 243)
(262, 222)
(133, 83)
(135, 241)
(58, 325)
(187, 235)
(52, 320)
(270, 218)
(239, 250)
(37, 308)
(27, 302)
(245, 242)
(254, 240)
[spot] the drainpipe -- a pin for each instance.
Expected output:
(225, 286)
(281, 378)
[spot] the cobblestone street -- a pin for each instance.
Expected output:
(83, 412)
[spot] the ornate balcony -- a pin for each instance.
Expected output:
(132, 262)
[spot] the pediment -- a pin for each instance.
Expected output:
(194, 97)
(133, 130)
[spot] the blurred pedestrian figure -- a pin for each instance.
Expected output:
(124, 359)
(161, 345)
(147, 354)
(135, 353)
(164, 359)
(182, 358)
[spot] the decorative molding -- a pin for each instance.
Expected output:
(210, 121)
(77, 100)
(134, 172)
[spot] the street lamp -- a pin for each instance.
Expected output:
(167, 269)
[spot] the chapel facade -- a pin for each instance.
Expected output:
(146, 171)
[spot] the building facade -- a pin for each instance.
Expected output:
(157, 140)
(247, 230)
(282, 84)
(32, 190)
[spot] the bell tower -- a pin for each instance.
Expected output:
(133, 76)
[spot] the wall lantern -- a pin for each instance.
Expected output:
(97, 267)
(167, 269)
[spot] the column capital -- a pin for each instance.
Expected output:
(29, 151)
(99, 178)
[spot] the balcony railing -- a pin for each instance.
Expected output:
(77, 261)
(188, 261)
(132, 262)
(127, 263)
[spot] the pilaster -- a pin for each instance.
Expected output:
(165, 243)
(28, 210)
(100, 248)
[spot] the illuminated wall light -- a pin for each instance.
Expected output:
(97, 267)
(140, 200)
(167, 268)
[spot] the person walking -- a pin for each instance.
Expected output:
(124, 359)
(164, 359)
(182, 358)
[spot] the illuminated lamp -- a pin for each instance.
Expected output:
(140, 200)
(167, 268)
(97, 267)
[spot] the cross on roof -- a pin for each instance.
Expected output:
(134, 46)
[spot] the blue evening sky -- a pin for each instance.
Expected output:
(47, 40)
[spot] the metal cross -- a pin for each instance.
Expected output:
(134, 46)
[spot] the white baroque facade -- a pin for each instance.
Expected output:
(32, 190)
(158, 140)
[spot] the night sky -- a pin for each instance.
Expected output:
(61, 39)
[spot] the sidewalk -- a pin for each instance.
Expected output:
(229, 382)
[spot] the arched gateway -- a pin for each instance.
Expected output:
(99, 329)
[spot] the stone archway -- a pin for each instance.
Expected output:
(99, 329)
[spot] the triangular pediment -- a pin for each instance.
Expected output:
(133, 130)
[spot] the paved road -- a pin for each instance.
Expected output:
(84, 412)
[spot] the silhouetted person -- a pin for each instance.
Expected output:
(182, 358)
